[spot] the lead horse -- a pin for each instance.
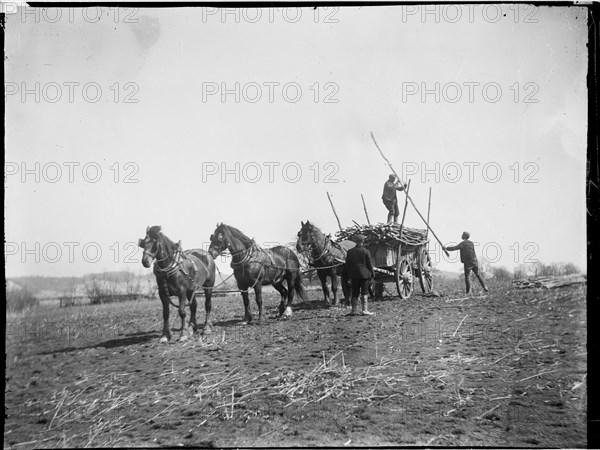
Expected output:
(327, 256)
(254, 267)
(179, 273)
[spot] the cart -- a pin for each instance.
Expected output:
(402, 262)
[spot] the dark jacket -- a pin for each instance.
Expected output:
(358, 263)
(467, 253)
(389, 190)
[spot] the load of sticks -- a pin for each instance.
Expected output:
(550, 282)
(388, 233)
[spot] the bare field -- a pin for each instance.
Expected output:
(508, 369)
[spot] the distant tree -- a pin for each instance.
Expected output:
(501, 273)
(69, 293)
(570, 269)
(520, 272)
(133, 283)
(100, 288)
(539, 269)
(543, 270)
(95, 290)
(152, 289)
(20, 299)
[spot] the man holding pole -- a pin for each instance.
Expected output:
(407, 196)
(389, 198)
(469, 259)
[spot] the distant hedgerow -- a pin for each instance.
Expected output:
(20, 299)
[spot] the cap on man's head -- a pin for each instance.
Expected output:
(466, 235)
(359, 239)
(392, 177)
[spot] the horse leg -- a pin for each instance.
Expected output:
(334, 286)
(182, 301)
(207, 308)
(290, 278)
(193, 307)
(166, 334)
(247, 314)
(258, 298)
(322, 274)
(283, 292)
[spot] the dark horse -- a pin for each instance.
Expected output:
(179, 273)
(254, 267)
(327, 257)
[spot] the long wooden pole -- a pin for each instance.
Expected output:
(429, 206)
(405, 205)
(408, 196)
(334, 213)
(365, 208)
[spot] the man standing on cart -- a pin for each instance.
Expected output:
(359, 269)
(469, 259)
(389, 198)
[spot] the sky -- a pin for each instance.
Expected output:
(118, 119)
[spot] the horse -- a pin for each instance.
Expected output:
(254, 267)
(328, 257)
(179, 273)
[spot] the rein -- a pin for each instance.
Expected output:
(249, 257)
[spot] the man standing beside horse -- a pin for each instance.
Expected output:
(389, 198)
(359, 268)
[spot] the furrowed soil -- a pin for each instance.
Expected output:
(507, 369)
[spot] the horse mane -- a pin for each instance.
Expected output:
(238, 234)
(315, 227)
(155, 233)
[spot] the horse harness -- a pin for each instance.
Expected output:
(248, 259)
(326, 252)
(176, 266)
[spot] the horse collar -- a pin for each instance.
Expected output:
(326, 249)
(173, 267)
(247, 255)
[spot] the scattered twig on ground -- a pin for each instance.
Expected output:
(488, 412)
(537, 375)
(461, 322)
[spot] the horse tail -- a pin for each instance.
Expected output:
(299, 287)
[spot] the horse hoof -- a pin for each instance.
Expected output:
(163, 340)
(288, 312)
(206, 331)
(183, 338)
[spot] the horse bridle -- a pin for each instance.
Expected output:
(326, 246)
(143, 244)
(248, 251)
(173, 267)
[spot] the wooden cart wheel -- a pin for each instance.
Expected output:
(425, 275)
(404, 278)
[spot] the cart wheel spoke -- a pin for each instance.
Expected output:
(425, 275)
(404, 278)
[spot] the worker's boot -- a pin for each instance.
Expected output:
(354, 311)
(365, 306)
